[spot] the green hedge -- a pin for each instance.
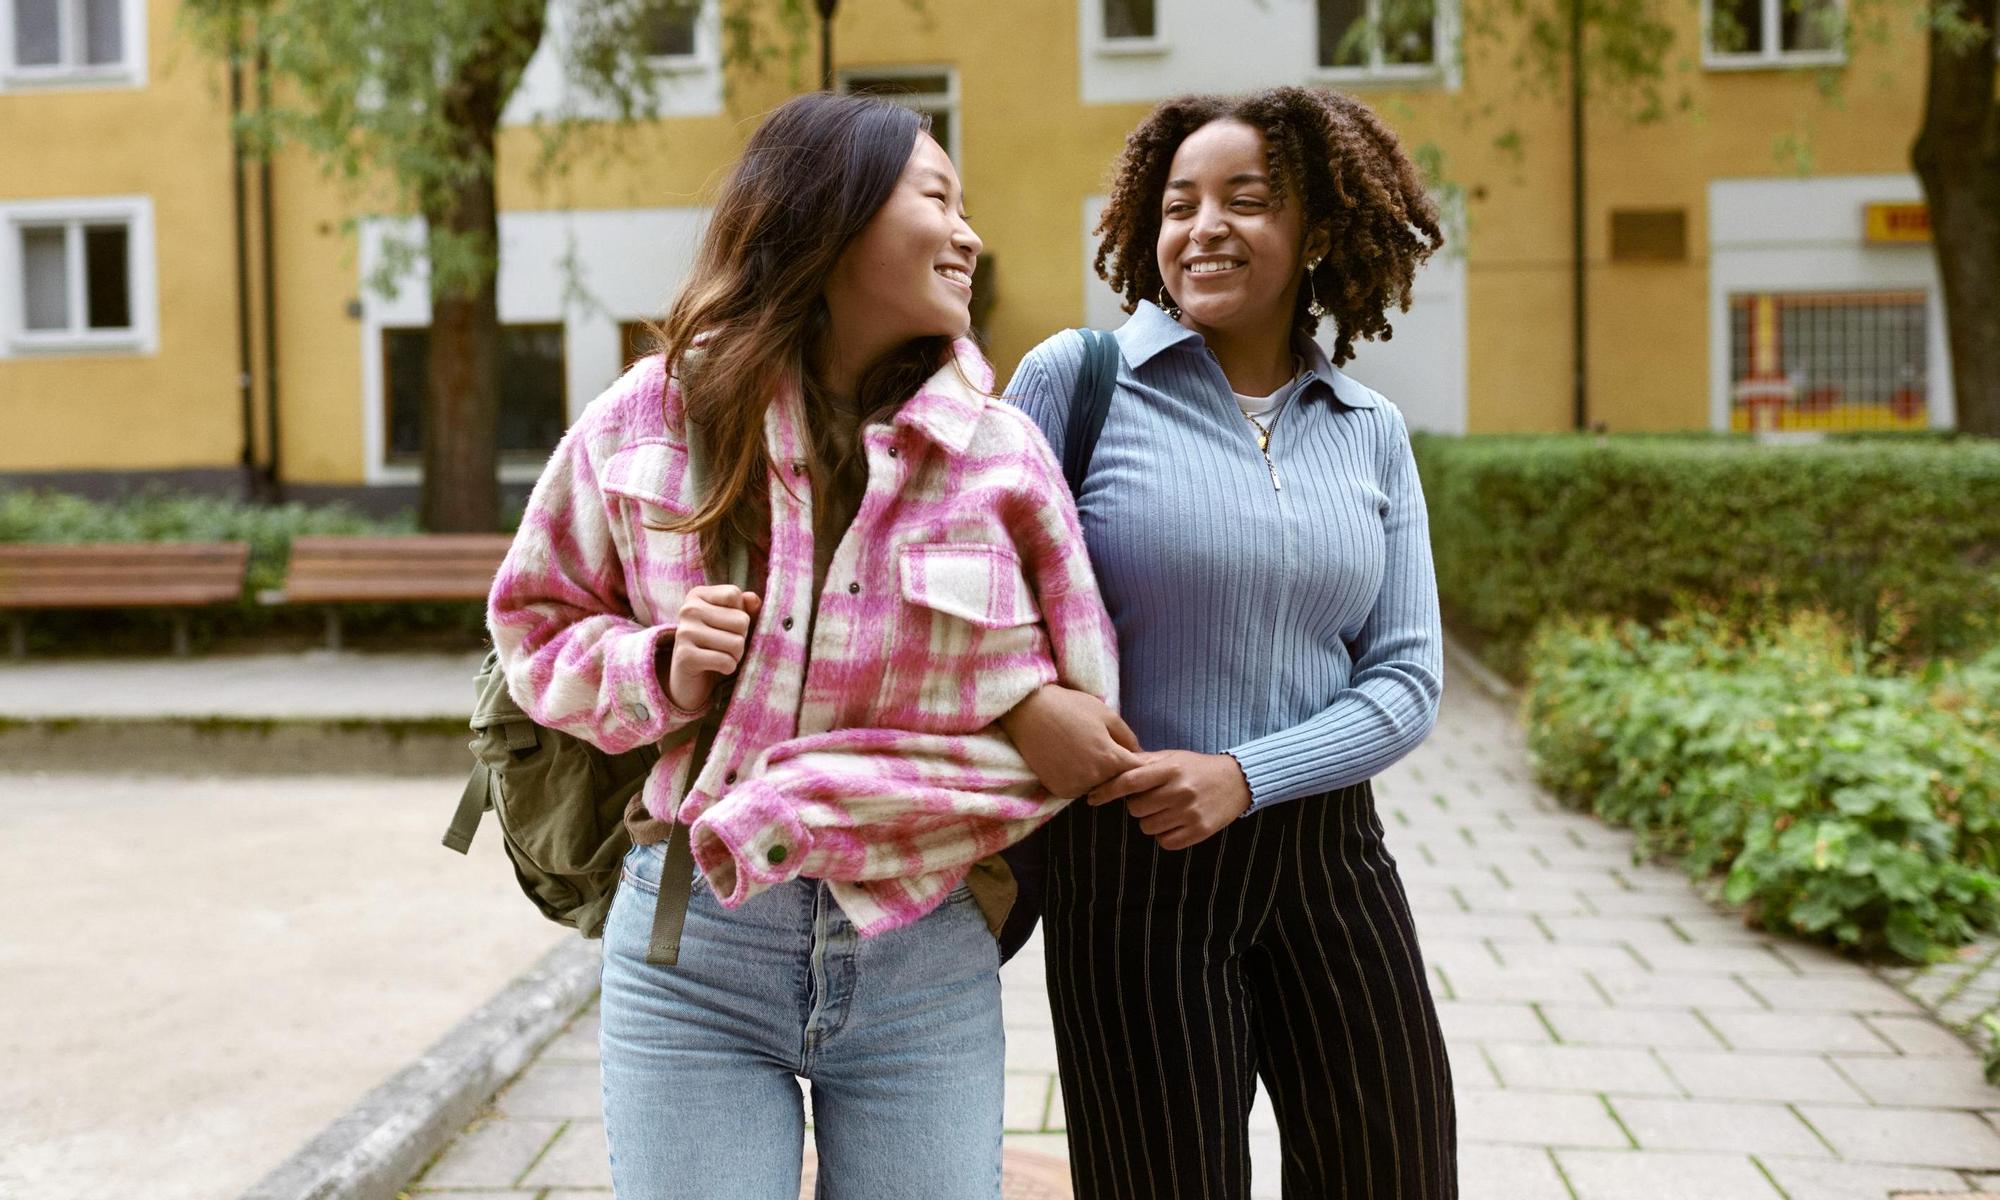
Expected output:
(1900, 537)
(1844, 803)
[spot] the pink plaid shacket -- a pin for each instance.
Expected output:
(874, 761)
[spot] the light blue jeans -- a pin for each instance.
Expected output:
(899, 1037)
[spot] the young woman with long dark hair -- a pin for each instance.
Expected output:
(913, 570)
(1226, 910)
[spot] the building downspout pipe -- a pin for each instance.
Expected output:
(273, 478)
(245, 392)
(1579, 282)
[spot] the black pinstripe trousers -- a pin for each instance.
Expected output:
(1281, 949)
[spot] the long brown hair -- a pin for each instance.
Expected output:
(1329, 154)
(814, 173)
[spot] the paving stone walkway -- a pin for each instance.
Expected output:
(1612, 1035)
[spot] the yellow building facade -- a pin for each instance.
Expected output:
(1725, 287)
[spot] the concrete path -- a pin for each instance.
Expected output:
(314, 685)
(198, 974)
(1612, 1035)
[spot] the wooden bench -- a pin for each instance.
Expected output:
(389, 570)
(170, 575)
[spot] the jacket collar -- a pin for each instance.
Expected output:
(945, 408)
(1150, 332)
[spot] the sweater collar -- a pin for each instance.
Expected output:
(1150, 332)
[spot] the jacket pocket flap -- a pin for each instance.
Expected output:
(651, 471)
(975, 581)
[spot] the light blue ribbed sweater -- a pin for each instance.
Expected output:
(1295, 628)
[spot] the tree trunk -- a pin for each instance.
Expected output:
(461, 486)
(1957, 156)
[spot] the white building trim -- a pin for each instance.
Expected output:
(133, 212)
(585, 270)
(73, 73)
(1807, 235)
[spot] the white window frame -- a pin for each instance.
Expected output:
(1444, 44)
(1092, 19)
(707, 36)
(946, 100)
(136, 214)
(1767, 57)
(71, 72)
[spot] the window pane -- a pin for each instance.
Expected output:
(941, 130)
(403, 378)
(1408, 32)
(1128, 18)
(1736, 26)
(107, 288)
(635, 341)
(1809, 24)
(532, 385)
(103, 31)
(37, 33)
(1343, 33)
(44, 266)
(899, 85)
(669, 28)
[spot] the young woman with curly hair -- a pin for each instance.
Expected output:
(1224, 908)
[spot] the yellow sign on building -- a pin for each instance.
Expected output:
(1899, 223)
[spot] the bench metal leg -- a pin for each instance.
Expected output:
(180, 635)
(333, 629)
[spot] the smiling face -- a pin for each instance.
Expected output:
(908, 274)
(1232, 249)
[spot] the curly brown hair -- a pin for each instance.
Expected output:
(1356, 183)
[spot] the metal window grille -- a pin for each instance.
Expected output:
(1829, 360)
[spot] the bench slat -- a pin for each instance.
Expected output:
(121, 574)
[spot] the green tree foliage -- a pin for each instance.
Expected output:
(402, 102)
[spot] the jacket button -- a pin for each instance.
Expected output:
(798, 467)
(788, 622)
(776, 854)
(854, 589)
(729, 778)
(892, 452)
(640, 714)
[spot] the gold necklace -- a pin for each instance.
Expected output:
(1263, 431)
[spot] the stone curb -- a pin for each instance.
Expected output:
(1459, 659)
(374, 1149)
(237, 746)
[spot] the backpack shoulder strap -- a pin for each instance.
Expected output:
(677, 872)
(1095, 382)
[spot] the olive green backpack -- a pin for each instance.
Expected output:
(561, 801)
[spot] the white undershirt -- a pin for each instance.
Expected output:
(1262, 406)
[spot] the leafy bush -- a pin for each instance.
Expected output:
(1844, 803)
(1895, 536)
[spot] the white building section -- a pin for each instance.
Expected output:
(1422, 369)
(690, 84)
(1241, 45)
(1805, 237)
(589, 271)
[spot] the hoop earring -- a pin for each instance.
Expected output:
(1314, 307)
(1167, 304)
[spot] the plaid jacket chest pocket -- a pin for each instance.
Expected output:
(970, 630)
(649, 474)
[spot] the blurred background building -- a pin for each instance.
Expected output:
(165, 319)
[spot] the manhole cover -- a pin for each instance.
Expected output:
(1024, 1175)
